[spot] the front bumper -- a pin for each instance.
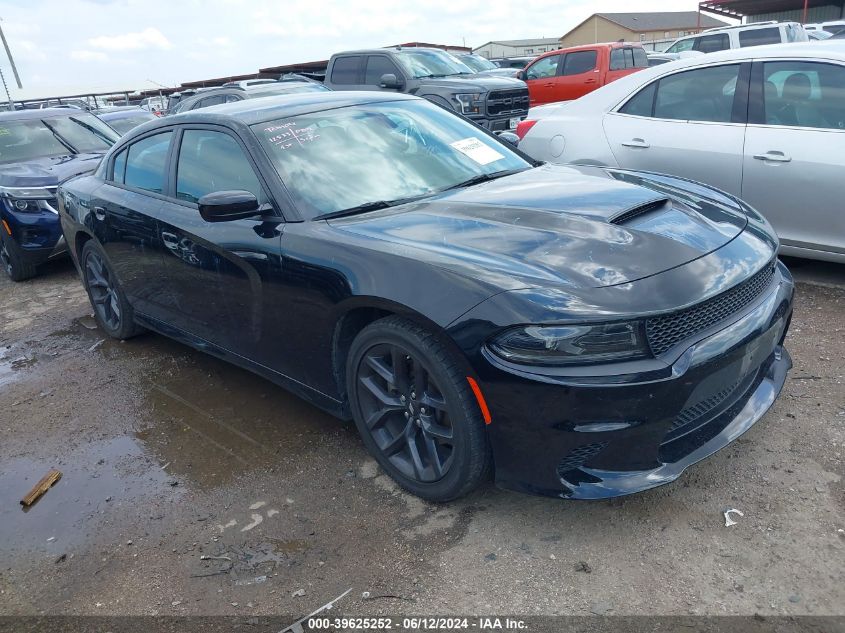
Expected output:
(38, 236)
(588, 438)
(499, 124)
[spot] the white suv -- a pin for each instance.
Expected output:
(742, 36)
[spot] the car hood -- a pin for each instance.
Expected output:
(48, 171)
(474, 82)
(553, 225)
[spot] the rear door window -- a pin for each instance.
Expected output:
(642, 103)
(703, 94)
(345, 70)
(579, 62)
(758, 37)
(804, 94)
(146, 162)
(712, 43)
(628, 57)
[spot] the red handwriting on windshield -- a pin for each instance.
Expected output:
(287, 135)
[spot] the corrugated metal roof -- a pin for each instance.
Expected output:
(537, 41)
(662, 21)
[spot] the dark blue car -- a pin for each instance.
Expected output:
(39, 149)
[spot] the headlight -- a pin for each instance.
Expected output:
(470, 103)
(28, 199)
(572, 344)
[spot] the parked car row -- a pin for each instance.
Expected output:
(766, 125)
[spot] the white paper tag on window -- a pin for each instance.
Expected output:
(480, 152)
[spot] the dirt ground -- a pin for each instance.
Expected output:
(169, 455)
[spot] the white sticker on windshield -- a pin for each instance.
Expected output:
(480, 152)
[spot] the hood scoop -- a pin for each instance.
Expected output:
(626, 216)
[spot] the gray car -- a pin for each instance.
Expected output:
(766, 124)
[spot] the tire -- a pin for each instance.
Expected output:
(432, 443)
(112, 310)
(10, 259)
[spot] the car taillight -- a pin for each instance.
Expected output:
(523, 126)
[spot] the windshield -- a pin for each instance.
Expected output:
(124, 124)
(84, 132)
(343, 158)
(478, 63)
(428, 63)
(54, 136)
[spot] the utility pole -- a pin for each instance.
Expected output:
(14, 69)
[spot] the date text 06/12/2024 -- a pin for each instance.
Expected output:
(415, 624)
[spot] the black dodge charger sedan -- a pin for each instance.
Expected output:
(572, 331)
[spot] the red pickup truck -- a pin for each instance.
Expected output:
(569, 73)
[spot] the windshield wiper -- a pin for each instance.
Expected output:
(59, 138)
(370, 206)
(477, 180)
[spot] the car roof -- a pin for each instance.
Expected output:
(123, 112)
(251, 111)
(42, 113)
(800, 50)
(610, 95)
(586, 47)
(391, 49)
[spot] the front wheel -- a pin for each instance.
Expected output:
(12, 262)
(111, 308)
(415, 411)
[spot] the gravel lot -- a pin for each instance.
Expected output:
(169, 455)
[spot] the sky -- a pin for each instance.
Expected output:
(75, 46)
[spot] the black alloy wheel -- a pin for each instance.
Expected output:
(405, 412)
(103, 294)
(415, 411)
(112, 310)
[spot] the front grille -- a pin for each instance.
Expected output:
(507, 102)
(667, 330)
(578, 456)
(691, 417)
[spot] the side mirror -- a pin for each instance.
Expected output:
(389, 80)
(509, 137)
(520, 74)
(225, 206)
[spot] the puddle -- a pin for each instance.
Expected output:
(213, 422)
(96, 479)
(10, 368)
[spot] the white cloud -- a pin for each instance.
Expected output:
(169, 42)
(148, 38)
(89, 56)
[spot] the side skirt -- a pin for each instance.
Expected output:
(319, 399)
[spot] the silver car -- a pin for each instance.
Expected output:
(766, 124)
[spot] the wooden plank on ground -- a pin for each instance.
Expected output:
(41, 487)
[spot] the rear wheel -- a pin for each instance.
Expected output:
(414, 409)
(11, 260)
(111, 308)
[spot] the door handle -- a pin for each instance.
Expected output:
(100, 213)
(774, 157)
(636, 142)
(548, 85)
(591, 80)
